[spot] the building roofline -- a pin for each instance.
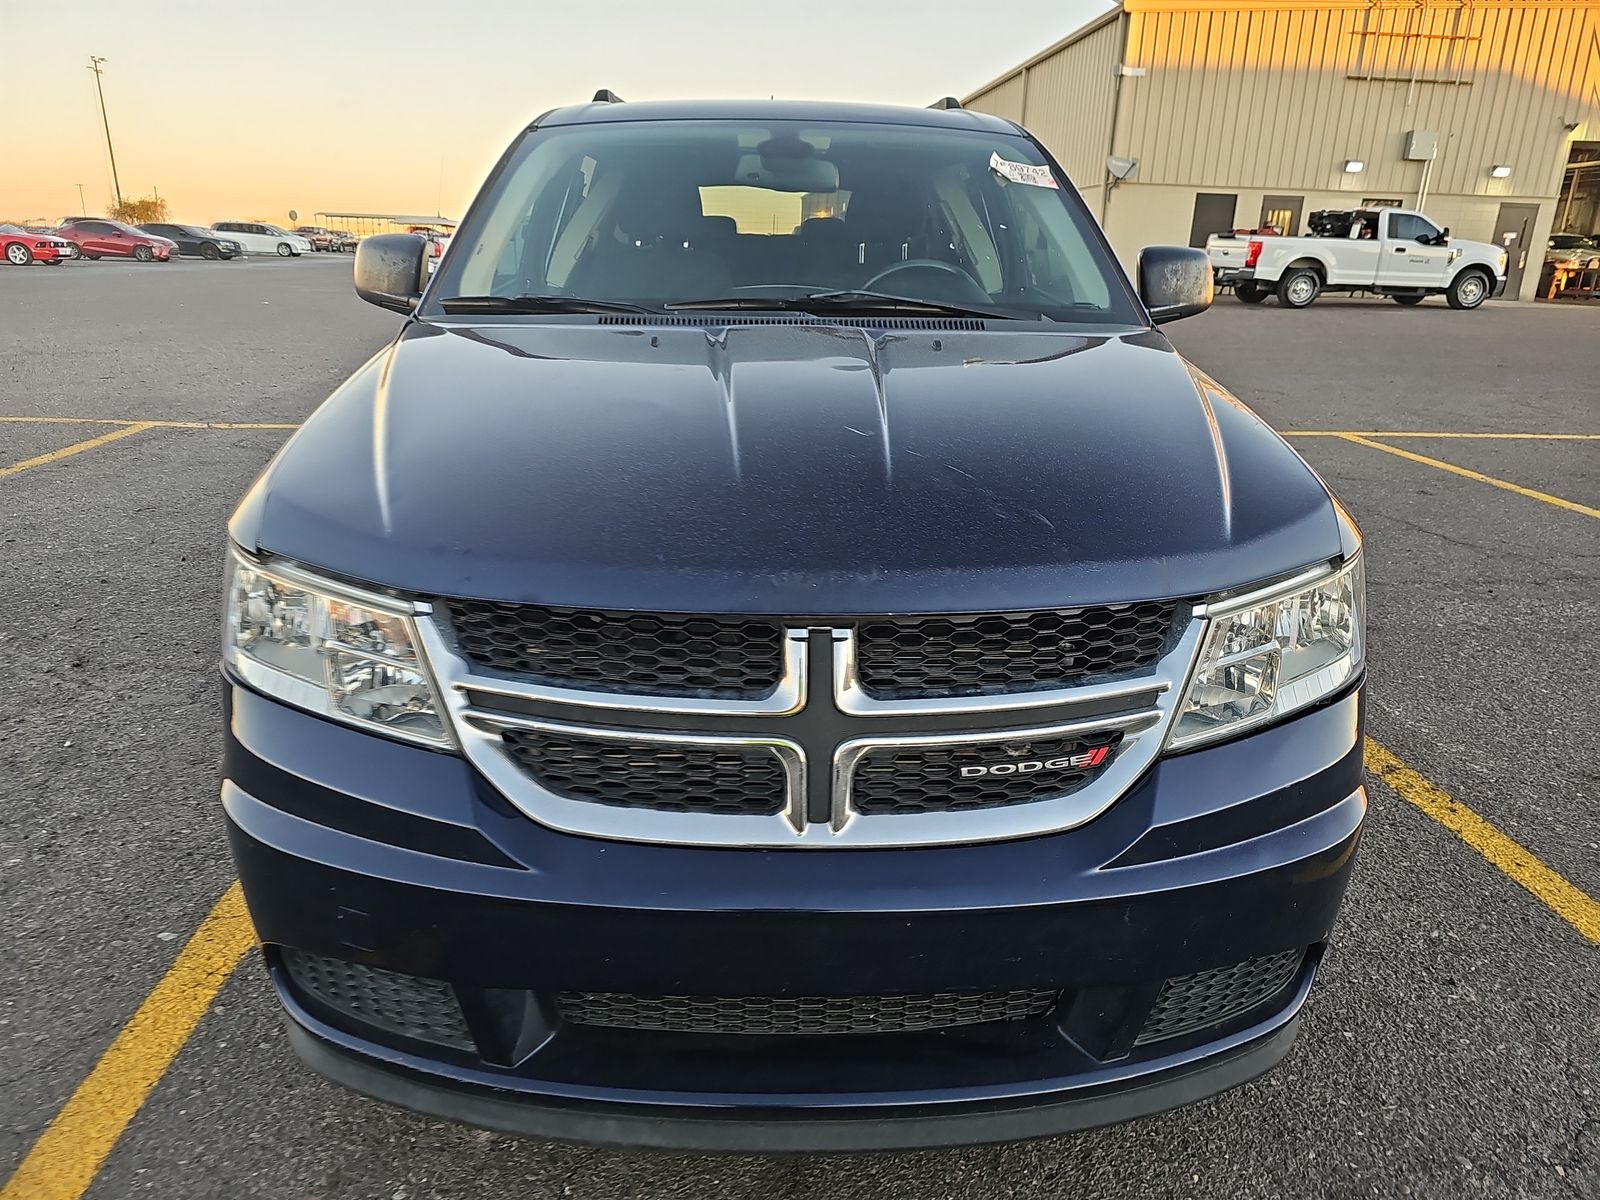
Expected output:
(1078, 34)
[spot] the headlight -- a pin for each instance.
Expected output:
(1266, 655)
(333, 650)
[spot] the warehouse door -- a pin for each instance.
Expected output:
(1213, 213)
(1514, 231)
(1282, 212)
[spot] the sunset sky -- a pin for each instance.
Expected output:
(247, 111)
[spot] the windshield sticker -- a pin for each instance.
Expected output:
(1018, 172)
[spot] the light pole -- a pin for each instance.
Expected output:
(94, 65)
(83, 207)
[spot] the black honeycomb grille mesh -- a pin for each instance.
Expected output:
(1010, 652)
(727, 780)
(801, 1014)
(645, 653)
(900, 780)
(425, 1009)
(1207, 998)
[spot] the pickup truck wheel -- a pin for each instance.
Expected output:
(1299, 287)
(1467, 290)
(1249, 293)
(1408, 300)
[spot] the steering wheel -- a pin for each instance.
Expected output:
(974, 293)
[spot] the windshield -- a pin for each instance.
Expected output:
(656, 213)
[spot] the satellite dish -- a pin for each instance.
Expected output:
(293, 216)
(1122, 169)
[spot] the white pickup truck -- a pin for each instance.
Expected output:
(1391, 251)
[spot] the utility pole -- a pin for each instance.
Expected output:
(94, 65)
(83, 207)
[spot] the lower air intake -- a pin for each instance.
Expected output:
(1207, 998)
(801, 1014)
(408, 1005)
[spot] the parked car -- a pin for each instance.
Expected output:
(67, 249)
(195, 241)
(320, 238)
(855, 687)
(437, 240)
(1572, 251)
(344, 240)
(20, 246)
(1394, 252)
(101, 237)
(257, 237)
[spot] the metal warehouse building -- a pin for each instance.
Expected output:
(1222, 114)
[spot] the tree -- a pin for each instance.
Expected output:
(141, 209)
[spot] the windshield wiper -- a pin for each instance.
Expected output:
(537, 304)
(858, 302)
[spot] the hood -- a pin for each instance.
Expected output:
(787, 468)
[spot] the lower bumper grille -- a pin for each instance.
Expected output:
(964, 778)
(1191, 1002)
(413, 1007)
(664, 776)
(801, 1014)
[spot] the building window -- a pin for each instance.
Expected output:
(1371, 202)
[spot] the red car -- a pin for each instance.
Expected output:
(101, 237)
(21, 246)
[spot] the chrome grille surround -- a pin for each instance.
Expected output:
(484, 704)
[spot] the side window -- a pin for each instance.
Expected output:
(1411, 228)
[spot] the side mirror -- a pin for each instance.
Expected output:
(1174, 282)
(1444, 236)
(391, 270)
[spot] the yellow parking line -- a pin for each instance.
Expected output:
(1569, 505)
(68, 1155)
(76, 448)
(1435, 433)
(1576, 908)
(151, 424)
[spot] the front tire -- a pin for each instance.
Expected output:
(284, 249)
(1299, 287)
(18, 255)
(1467, 290)
(143, 253)
(1250, 293)
(210, 251)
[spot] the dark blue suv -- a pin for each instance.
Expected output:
(781, 653)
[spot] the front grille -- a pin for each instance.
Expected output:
(644, 653)
(1190, 1002)
(1016, 652)
(425, 1009)
(666, 777)
(923, 779)
(801, 1014)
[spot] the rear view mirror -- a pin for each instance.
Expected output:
(787, 174)
(1174, 282)
(391, 269)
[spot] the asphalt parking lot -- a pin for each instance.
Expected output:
(1452, 1048)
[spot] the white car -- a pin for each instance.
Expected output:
(259, 238)
(1394, 252)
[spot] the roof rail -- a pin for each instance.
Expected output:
(945, 103)
(607, 96)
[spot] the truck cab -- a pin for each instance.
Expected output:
(1396, 252)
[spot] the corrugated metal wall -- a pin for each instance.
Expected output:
(1281, 95)
(1278, 95)
(1065, 96)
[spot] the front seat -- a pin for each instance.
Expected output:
(657, 249)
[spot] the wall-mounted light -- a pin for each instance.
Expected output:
(1500, 170)
(1354, 166)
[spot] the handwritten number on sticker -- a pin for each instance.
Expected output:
(1018, 172)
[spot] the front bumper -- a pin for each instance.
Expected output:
(368, 851)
